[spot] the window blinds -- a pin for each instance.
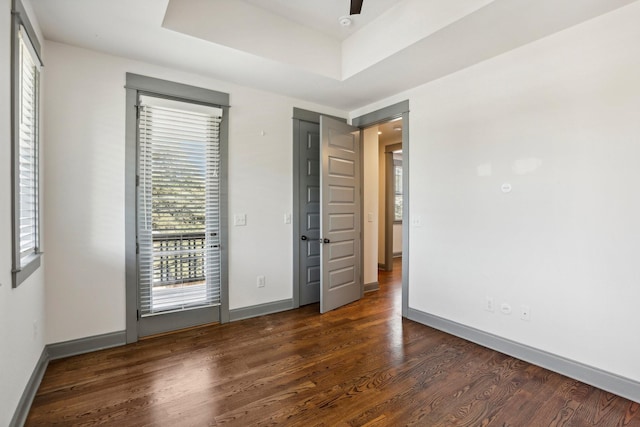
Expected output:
(178, 206)
(28, 150)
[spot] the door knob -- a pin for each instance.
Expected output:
(325, 241)
(303, 237)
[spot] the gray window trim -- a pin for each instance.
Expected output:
(136, 85)
(20, 18)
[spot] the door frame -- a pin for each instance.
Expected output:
(299, 115)
(383, 115)
(135, 86)
(401, 109)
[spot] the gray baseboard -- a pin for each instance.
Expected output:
(373, 286)
(57, 351)
(24, 405)
(260, 310)
(86, 345)
(604, 380)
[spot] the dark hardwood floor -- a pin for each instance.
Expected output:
(361, 365)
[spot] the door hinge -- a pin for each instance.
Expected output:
(137, 248)
(138, 314)
(137, 111)
(137, 180)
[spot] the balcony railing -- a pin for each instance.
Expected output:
(178, 259)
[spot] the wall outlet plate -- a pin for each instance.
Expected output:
(489, 304)
(240, 220)
(505, 308)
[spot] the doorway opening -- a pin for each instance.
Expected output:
(382, 200)
(305, 273)
(327, 212)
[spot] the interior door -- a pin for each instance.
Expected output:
(340, 279)
(309, 226)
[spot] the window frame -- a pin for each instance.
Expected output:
(20, 20)
(157, 117)
(397, 164)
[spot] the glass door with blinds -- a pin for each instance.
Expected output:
(178, 214)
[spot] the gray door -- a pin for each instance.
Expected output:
(340, 279)
(309, 197)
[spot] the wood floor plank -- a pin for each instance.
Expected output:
(361, 365)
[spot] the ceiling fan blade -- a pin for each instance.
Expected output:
(356, 7)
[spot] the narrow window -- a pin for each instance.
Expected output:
(25, 149)
(397, 176)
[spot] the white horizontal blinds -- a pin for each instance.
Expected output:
(28, 149)
(178, 206)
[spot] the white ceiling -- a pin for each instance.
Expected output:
(390, 132)
(322, 15)
(292, 47)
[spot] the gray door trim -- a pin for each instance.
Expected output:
(299, 115)
(312, 116)
(131, 259)
(382, 115)
(400, 109)
(295, 216)
(135, 85)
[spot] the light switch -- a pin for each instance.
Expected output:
(370, 217)
(287, 218)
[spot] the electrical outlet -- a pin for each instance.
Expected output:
(35, 329)
(525, 313)
(488, 304)
(261, 281)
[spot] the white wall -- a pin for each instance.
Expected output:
(85, 128)
(21, 343)
(558, 119)
(397, 239)
(370, 207)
